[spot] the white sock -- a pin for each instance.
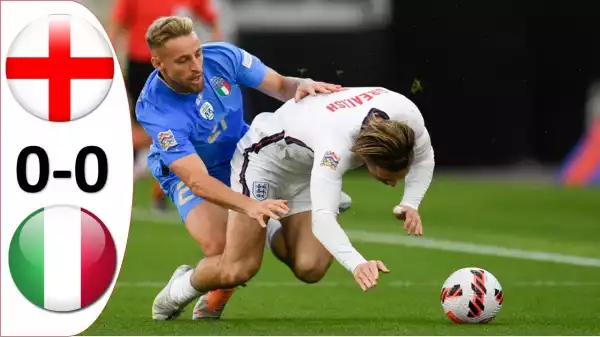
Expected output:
(182, 289)
(272, 228)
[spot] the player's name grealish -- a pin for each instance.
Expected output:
(355, 101)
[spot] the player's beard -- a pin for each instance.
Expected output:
(185, 86)
(196, 87)
(194, 83)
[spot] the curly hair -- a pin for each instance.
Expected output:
(387, 144)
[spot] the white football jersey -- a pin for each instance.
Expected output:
(328, 124)
(336, 118)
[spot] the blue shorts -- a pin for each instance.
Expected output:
(178, 192)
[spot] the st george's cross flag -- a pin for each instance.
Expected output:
(60, 68)
(62, 258)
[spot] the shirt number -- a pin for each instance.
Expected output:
(182, 193)
(217, 130)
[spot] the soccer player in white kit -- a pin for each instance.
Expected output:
(300, 154)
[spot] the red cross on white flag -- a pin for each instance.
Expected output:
(60, 68)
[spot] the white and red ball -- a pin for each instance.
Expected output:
(471, 295)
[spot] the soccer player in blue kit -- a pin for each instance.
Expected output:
(191, 107)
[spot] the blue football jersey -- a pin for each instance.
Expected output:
(209, 123)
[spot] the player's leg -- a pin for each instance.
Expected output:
(248, 178)
(307, 257)
(276, 240)
(212, 240)
(295, 244)
(212, 304)
(205, 222)
(239, 262)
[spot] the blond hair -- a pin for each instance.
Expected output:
(166, 28)
(387, 144)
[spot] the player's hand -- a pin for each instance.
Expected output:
(367, 274)
(411, 218)
(262, 210)
(310, 87)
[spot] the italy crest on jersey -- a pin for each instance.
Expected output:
(221, 86)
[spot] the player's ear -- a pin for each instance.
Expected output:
(156, 63)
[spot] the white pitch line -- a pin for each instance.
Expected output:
(465, 247)
(420, 242)
(395, 284)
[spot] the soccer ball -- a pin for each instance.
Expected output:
(471, 295)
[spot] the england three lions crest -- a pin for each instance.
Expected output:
(260, 190)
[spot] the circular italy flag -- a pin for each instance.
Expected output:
(62, 258)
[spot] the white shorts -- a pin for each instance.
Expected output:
(267, 164)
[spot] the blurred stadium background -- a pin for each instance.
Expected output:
(510, 92)
(499, 84)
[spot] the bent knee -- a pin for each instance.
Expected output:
(311, 269)
(207, 224)
(213, 246)
(238, 273)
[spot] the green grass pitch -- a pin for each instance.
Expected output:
(541, 297)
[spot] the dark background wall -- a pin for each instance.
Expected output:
(501, 81)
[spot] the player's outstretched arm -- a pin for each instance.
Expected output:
(192, 171)
(285, 88)
(329, 232)
(326, 187)
(417, 182)
(172, 140)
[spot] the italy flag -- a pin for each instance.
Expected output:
(62, 258)
(222, 87)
